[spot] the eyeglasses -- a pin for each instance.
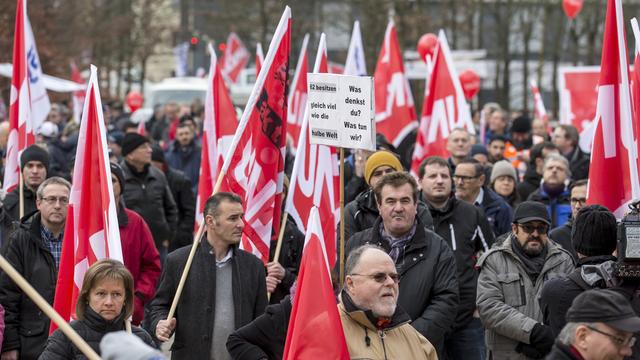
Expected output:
(529, 229)
(381, 277)
(52, 200)
(619, 341)
(578, 200)
(464, 178)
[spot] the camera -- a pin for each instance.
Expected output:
(628, 265)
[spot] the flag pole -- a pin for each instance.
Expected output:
(21, 184)
(48, 310)
(276, 254)
(341, 216)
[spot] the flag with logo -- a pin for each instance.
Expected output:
(297, 100)
(236, 56)
(91, 231)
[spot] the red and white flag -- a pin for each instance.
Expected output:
(78, 96)
(236, 57)
(635, 85)
(315, 178)
(91, 232)
(539, 110)
(254, 164)
(395, 113)
(297, 100)
(315, 330)
(444, 108)
(613, 142)
(259, 58)
(142, 130)
(219, 125)
(28, 101)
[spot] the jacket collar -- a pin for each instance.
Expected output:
(551, 260)
(418, 241)
(367, 319)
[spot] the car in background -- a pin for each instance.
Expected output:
(181, 90)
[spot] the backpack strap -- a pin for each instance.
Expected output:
(577, 279)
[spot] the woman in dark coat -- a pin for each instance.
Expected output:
(104, 304)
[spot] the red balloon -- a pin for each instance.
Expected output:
(427, 45)
(134, 100)
(572, 7)
(470, 82)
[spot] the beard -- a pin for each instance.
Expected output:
(533, 250)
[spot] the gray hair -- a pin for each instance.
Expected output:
(57, 180)
(568, 333)
(557, 157)
(354, 257)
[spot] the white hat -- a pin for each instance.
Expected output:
(48, 129)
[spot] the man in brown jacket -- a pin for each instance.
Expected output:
(374, 326)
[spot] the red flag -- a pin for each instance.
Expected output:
(395, 114)
(142, 130)
(297, 100)
(635, 82)
(78, 96)
(315, 330)
(335, 68)
(315, 179)
(219, 125)
(236, 57)
(613, 142)
(254, 165)
(29, 103)
(91, 232)
(444, 109)
(259, 58)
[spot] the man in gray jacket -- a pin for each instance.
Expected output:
(511, 278)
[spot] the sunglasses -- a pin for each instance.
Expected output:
(381, 277)
(529, 229)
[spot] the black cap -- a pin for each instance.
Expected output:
(604, 306)
(34, 153)
(531, 211)
(117, 171)
(131, 142)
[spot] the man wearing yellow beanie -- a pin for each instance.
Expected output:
(361, 213)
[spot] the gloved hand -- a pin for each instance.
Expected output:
(529, 351)
(542, 338)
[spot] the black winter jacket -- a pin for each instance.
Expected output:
(466, 229)
(562, 236)
(530, 183)
(185, 199)
(10, 212)
(150, 197)
(498, 212)
(26, 327)
(195, 311)
(428, 286)
(560, 351)
(91, 329)
(579, 164)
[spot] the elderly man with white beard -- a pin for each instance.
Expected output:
(375, 327)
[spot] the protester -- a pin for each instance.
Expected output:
(562, 234)
(495, 148)
(236, 294)
(497, 123)
(184, 152)
(539, 130)
(512, 275)
(469, 181)
(34, 250)
(503, 182)
(533, 175)
(566, 138)
(466, 229)
(458, 146)
(601, 325)
(138, 250)
(429, 287)
(147, 192)
(594, 238)
(104, 305)
(553, 191)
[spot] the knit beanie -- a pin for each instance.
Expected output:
(478, 149)
(594, 231)
(380, 158)
(521, 124)
(131, 142)
(503, 168)
(117, 171)
(34, 153)
(119, 345)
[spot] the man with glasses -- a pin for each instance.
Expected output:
(469, 181)
(562, 234)
(601, 325)
(34, 250)
(429, 287)
(511, 278)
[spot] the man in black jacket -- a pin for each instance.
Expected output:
(34, 250)
(147, 191)
(566, 138)
(429, 287)
(562, 234)
(466, 229)
(225, 290)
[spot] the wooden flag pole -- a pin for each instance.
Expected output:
(192, 253)
(21, 184)
(276, 254)
(341, 216)
(48, 310)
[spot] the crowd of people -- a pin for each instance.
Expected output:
(489, 253)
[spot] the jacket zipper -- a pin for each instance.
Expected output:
(384, 348)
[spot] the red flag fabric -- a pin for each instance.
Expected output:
(613, 142)
(219, 125)
(236, 57)
(297, 100)
(78, 96)
(142, 130)
(395, 113)
(315, 330)
(539, 109)
(91, 232)
(259, 58)
(28, 103)
(254, 165)
(635, 83)
(315, 178)
(444, 109)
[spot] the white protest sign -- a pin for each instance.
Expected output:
(341, 111)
